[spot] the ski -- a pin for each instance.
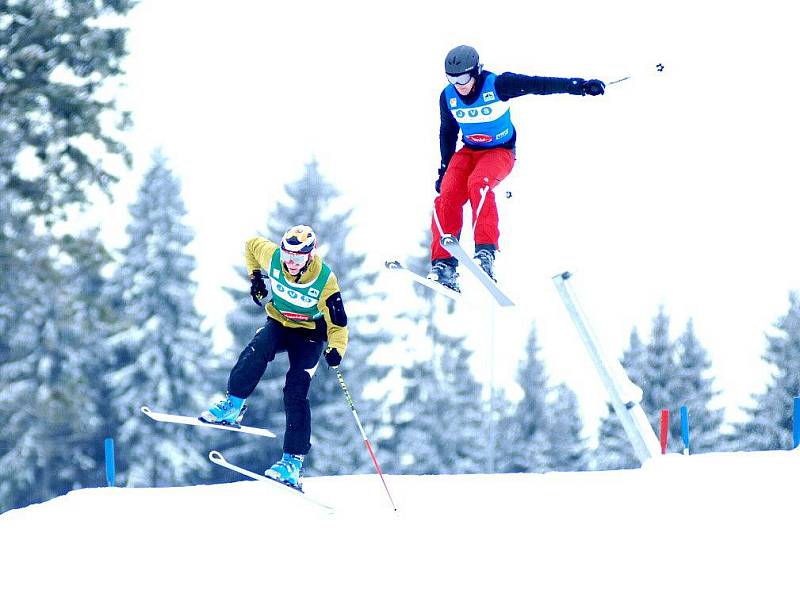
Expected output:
(216, 457)
(394, 265)
(452, 245)
(184, 420)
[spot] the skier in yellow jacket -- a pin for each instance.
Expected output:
(304, 311)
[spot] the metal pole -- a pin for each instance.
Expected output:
(625, 396)
(492, 434)
(363, 435)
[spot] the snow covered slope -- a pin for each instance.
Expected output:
(702, 531)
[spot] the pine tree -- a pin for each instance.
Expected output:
(670, 374)
(56, 145)
(566, 447)
(54, 111)
(50, 353)
(445, 432)
(523, 435)
(440, 423)
(17, 244)
(769, 422)
(694, 390)
(24, 263)
(168, 353)
(660, 375)
(544, 431)
(82, 323)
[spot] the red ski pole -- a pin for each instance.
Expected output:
(363, 435)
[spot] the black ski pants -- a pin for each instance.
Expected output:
(303, 348)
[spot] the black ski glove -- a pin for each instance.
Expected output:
(333, 357)
(594, 87)
(579, 86)
(438, 185)
(258, 290)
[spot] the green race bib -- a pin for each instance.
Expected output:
(296, 301)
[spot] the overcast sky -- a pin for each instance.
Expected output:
(674, 189)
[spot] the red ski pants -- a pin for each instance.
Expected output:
(468, 172)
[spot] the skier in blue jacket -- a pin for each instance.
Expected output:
(474, 103)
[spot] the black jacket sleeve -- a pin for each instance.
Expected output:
(510, 85)
(448, 131)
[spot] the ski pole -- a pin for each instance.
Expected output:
(659, 68)
(483, 192)
(363, 435)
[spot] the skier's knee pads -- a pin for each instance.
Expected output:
(336, 308)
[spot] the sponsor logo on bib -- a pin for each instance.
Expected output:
(479, 138)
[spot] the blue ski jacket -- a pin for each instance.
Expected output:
(505, 86)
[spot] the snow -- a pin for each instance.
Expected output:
(712, 530)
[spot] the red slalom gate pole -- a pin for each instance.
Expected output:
(664, 430)
(363, 435)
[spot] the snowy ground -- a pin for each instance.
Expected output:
(701, 531)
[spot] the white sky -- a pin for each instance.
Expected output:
(702, 531)
(677, 189)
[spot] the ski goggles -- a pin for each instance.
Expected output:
(294, 257)
(460, 79)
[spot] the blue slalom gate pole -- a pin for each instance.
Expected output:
(110, 466)
(796, 423)
(685, 429)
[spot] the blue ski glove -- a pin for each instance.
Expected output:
(333, 357)
(258, 290)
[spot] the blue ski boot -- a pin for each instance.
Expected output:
(287, 470)
(228, 411)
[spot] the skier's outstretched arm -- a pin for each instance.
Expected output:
(509, 84)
